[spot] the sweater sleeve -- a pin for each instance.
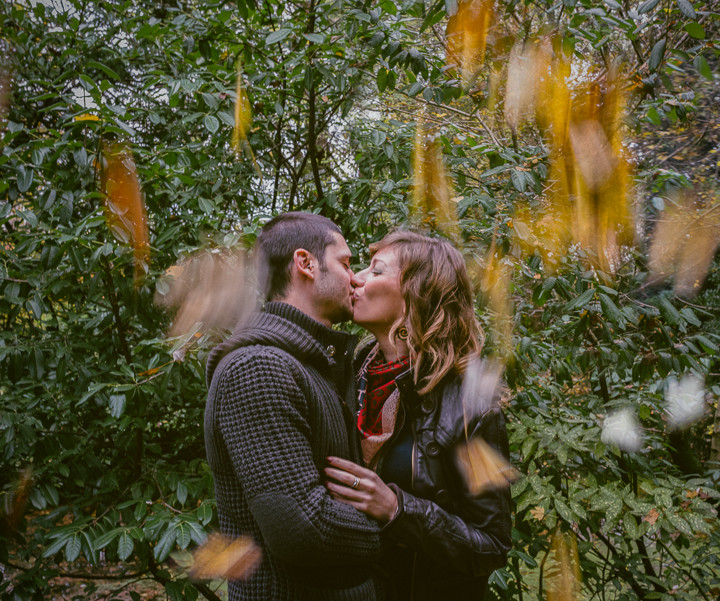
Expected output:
(476, 538)
(262, 416)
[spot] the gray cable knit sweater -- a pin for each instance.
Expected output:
(276, 409)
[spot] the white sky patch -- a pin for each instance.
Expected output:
(685, 401)
(622, 428)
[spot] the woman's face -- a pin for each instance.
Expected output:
(378, 302)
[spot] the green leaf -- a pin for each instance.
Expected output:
(609, 308)
(124, 127)
(92, 389)
(205, 513)
(24, 178)
(669, 312)
(73, 548)
(125, 545)
(166, 543)
(702, 66)
(695, 30)
(104, 68)
(381, 79)
(707, 344)
(228, 119)
(656, 55)
(564, 511)
(580, 301)
(687, 9)
(181, 493)
(690, 316)
(377, 39)
(518, 180)
(117, 405)
(647, 6)
(183, 536)
(315, 38)
(415, 88)
(206, 205)
(197, 533)
(105, 539)
(277, 36)
(211, 123)
(631, 525)
(55, 546)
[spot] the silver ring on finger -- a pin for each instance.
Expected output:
(355, 483)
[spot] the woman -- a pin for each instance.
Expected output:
(440, 541)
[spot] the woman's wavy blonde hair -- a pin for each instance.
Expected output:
(443, 331)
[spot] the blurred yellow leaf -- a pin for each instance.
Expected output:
(209, 289)
(222, 557)
(466, 34)
(432, 190)
(124, 205)
(563, 568)
(243, 119)
(684, 243)
(87, 117)
(483, 467)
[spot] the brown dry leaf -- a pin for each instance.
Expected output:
(5, 90)
(538, 513)
(483, 467)
(432, 190)
(210, 289)
(19, 499)
(124, 205)
(651, 516)
(222, 557)
(691, 494)
(466, 34)
(563, 568)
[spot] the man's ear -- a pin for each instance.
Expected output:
(305, 263)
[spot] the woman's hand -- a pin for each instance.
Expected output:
(360, 488)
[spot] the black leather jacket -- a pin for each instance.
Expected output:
(444, 543)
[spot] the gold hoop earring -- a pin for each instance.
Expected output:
(401, 333)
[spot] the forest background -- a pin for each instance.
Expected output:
(581, 144)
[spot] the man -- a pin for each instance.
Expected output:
(280, 392)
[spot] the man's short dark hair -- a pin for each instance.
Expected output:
(280, 238)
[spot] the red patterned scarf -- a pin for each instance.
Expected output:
(374, 389)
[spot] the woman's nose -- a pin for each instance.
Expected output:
(359, 278)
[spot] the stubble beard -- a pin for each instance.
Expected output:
(335, 297)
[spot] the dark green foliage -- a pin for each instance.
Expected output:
(110, 419)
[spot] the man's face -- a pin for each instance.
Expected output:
(334, 284)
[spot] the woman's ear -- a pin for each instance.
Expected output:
(304, 262)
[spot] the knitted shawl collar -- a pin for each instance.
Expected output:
(287, 328)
